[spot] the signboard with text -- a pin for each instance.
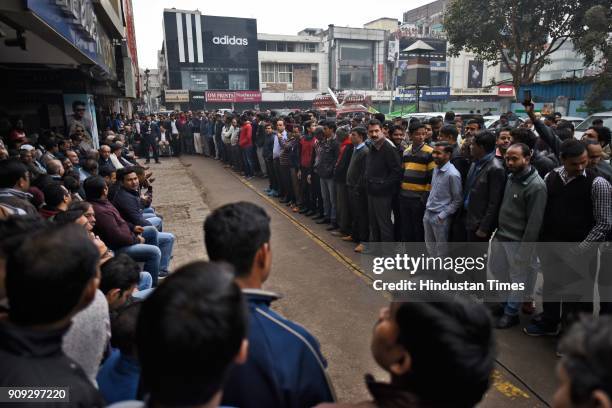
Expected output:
(233, 96)
(177, 95)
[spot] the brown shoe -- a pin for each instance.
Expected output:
(347, 238)
(359, 248)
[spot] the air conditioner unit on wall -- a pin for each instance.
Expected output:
(290, 87)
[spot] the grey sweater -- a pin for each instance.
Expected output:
(522, 209)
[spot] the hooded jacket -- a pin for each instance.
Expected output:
(35, 358)
(285, 367)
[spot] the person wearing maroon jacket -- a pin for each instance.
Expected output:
(118, 234)
(246, 146)
(305, 147)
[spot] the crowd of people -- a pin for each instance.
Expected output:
(88, 301)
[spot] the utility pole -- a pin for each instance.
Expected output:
(147, 93)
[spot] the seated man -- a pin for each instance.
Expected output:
(116, 233)
(585, 369)
(119, 279)
(45, 292)
(127, 200)
(190, 332)
(119, 375)
(14, 185)
(239, 233)
(423, 345)
(57, 199)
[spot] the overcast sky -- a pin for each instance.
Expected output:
(273, 17)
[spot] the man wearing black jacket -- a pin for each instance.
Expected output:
(449, 134)
(383, 174)
(343, 212)
(45, 291)
(325, 170)
(356, 184)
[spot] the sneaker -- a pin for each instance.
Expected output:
(275, 193)
(267, 190)
(507, 321)
(539, 328)
(163, 274)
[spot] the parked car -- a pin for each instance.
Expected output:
(588, 122)
(574, 119)
(491, 122)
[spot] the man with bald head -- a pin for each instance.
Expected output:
(55, 169)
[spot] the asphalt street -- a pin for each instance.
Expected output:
(323, 287)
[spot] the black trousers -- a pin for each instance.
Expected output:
(316, 193)
(360, 227)
(412, 211)
(271, 175)
(149, 141)
(287, 187)
(277, 169)
(175, 142)
(343, 210)
(306, 189)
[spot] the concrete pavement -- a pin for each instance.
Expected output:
(322, 285)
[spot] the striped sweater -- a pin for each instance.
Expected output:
(418, 165)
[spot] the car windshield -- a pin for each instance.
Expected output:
(607, 122)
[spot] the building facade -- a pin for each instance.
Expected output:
(65, 54)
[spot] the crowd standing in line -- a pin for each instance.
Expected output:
(88, 302)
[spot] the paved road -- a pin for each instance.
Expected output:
(323, 288)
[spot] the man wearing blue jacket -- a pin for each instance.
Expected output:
(285, 367)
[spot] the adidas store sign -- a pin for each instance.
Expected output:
(227, 40)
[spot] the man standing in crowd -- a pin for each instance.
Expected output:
(579, 211)
(325, 170)
(239, 233)
(280, 137)
(246, 146)
(306, 150)
(504, 139)
(356, 184)
(343, 213)
(150, 132)
(449, 134)
(443, 201)
(520, 219)
(383, 172)
(483, 190)
(418, 165)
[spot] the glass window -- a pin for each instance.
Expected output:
(267, 73)
(270, 46)
(281, 47)
(315, 77)
(356, 78)
(312, 47)
(238, 81)
(218, 80)
(290, 47)
(356, 52)
(261, 46)
(285, 73)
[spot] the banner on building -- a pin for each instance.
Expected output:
(233, 96)
(475, 74)
(177, 95)
(81, 113)
(431, 94)
(505, 90)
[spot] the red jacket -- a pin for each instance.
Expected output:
(306, 147)
(246, 135)
(111, 227)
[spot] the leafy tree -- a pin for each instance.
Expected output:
(519, 34)
(594, 41)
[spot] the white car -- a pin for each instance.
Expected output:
(574, 119)
(588, 122)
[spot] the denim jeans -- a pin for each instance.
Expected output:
(436, 234)
(164, 241)
(247, 157)
(503, 265)
(146, 281)
(149, 254)
(328, 191)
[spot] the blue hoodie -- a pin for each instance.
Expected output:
(284, 368)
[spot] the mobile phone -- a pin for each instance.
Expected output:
(527, 100)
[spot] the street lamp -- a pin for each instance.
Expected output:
(147, 94)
